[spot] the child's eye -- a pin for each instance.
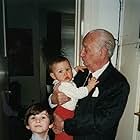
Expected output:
(68, 69)
(32, 117)
(44, 117)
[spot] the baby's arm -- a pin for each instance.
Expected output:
(70, 89)
(92, 82)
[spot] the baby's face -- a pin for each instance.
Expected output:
(39, 123)
(62, 71)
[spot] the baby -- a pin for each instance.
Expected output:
(62, 73)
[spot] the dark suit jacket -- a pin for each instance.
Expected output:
(97, 118)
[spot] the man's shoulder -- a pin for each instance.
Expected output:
(117, 75)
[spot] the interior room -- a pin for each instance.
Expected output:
(31, 30)
(35, 31)
(45, 24)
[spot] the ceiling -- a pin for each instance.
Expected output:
(67, 6)
(48, 3)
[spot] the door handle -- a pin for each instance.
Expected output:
(138, 114)
(8, 91)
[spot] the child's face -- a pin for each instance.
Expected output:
(39, 123)
(62, 71)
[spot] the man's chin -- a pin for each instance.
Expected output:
(84, 64)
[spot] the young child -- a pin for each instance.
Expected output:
(38, 121)
(61, 71)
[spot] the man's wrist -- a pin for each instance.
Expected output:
(53, 99)
(63, 126)
(52, 105)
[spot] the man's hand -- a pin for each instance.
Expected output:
(80, 68)
(58, 124)
(59, 97)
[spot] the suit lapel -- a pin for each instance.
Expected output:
(103, 77)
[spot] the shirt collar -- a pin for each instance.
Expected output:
(55, 82)
(97, 73)
(36, 137)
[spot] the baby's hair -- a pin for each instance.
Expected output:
(56, 60)
(35, 109)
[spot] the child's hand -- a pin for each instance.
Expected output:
(80, 68)
(92, 82)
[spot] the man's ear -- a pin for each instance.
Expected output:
(104, 50)
(52, 75)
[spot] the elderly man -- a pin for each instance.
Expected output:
(97, 116)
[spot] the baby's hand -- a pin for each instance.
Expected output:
(92, 82)
(80, 68)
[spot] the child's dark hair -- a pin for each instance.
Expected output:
(56, 60)
(36, 109)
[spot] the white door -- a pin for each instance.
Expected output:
(130, 67)
(137, 109)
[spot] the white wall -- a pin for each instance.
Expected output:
(105, 14)
(102, 14)
(130, 60)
